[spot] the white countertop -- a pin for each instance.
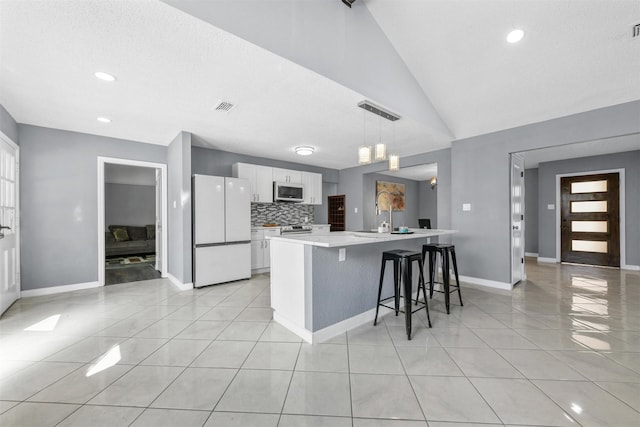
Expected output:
(261, 227)
(350, 238)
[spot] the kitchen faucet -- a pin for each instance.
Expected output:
(390, 207)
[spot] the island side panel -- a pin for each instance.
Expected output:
(288, 271)
(344, 289)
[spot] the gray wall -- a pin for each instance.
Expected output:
(352, 186)
(59, 203)
(8, 125)
(207, 161)
(179, 194)
(480, 176)
(408, 217)
(531, 210)
(428, 202)
(345, 45)
(629, 161)
(127, 204)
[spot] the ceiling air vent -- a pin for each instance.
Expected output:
(223, 106)
(635, 32)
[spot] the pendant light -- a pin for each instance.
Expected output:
(394, 159)
(380, 148)
(367, 153)
(364, 152)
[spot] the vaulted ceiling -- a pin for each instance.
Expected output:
(296, 70)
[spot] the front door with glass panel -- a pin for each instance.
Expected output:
(590, 226)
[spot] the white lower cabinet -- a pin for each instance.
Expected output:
(257, 257)
(261, 247)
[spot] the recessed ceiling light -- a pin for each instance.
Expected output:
(515, 36)
(104, 76)
(104, 120)
(304, 150)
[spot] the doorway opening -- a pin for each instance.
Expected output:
(132, 210)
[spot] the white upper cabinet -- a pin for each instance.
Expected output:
(260, 178)
(312, 188)
(287, 175)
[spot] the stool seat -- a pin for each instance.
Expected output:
(402, 260)
(445, 250)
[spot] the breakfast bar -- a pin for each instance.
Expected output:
(324, 285)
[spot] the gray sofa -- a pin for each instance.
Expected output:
(130, 240)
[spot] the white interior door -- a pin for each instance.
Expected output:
(517, 218)
(159, 220)
(9, 253)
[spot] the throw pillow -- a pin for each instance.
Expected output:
(120, 234)
(151, 232)
(137, 232)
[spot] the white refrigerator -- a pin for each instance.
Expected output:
(221, 229)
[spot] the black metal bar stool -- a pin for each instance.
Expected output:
(445, 250)
(402, 272)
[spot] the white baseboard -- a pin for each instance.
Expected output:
(298, 330)
(488, 283)
(348, 324)
(178, 284)
(260, 270)
(533, 254)
(630, 267)
(334, 330)
(58, 289)
(543, 259)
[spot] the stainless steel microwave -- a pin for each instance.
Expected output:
(288, 192)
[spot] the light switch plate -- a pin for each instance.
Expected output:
(466, 207)
(342, 254)
(355, 210)
(551, 207)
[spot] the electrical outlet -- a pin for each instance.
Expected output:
(466, 207)
(551, 206)
(355, 210)
(342, 254)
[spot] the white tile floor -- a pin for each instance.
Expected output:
(563, 349)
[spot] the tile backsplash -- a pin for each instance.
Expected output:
(280, 213)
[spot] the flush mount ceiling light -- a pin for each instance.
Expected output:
(515, 36)
(104, 120)
(104, 76)
(304, 150)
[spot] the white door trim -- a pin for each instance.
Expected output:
(523, 274)
(112, 160)
(623, 232)
(15, 146)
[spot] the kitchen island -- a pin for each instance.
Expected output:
(324, 285)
